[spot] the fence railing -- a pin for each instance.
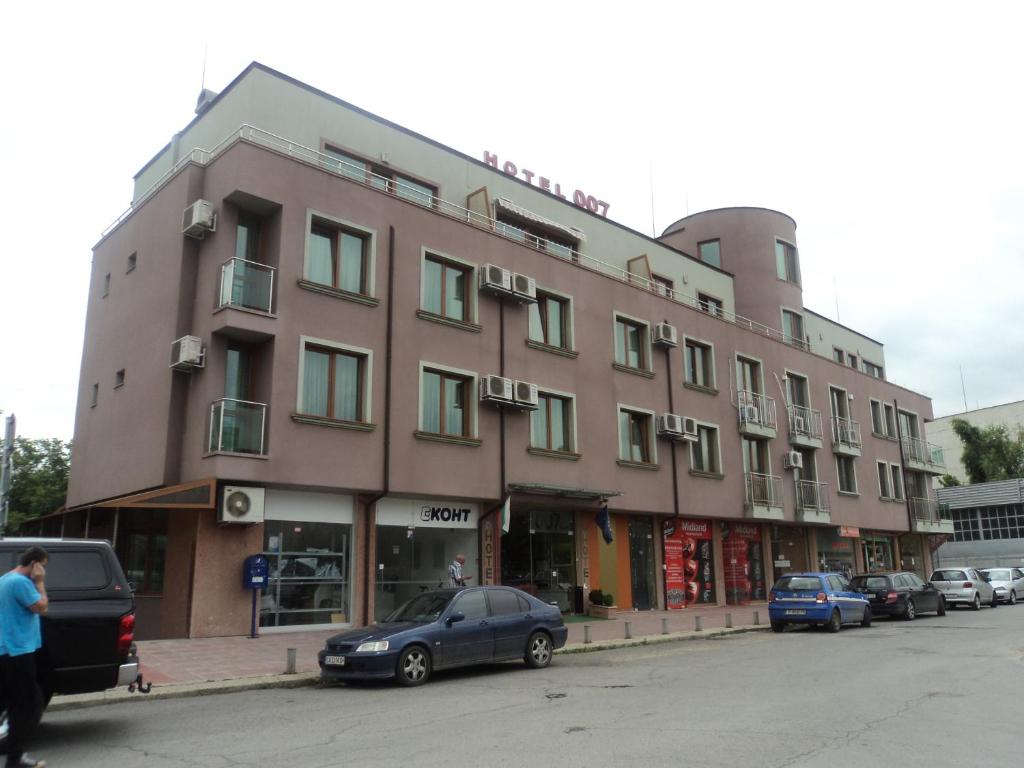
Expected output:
(246, 284)
(360, 174)
(237, 426)
(763, 490)
(846, 432)
(813, 496)
(755, 408)
(805, 422)
(916, 449)
(929, 510)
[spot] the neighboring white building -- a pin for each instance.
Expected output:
(988, 525)
(940, 432)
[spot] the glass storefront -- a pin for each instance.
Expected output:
(877, 552)
(538, 555)
(641, 563)
(835, 552)
(789, 550)
(743, 562)
(912, 554)
(309, 573)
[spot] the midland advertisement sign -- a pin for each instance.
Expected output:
(689, 563)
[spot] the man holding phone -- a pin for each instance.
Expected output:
(22, 600)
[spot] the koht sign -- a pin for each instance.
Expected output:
(579, 197)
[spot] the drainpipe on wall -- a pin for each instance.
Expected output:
(672, 443)
(903, 467)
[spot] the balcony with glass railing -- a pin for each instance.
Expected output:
(923, 456)
(930, 516)
(756, 414)
(846, 436)
(805, 427)
(237, 426)
(246, 285)
(763, 500)
(812, 503)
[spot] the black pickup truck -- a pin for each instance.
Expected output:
(88, 631)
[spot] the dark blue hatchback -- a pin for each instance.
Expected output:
(444, 629)
(825, 599)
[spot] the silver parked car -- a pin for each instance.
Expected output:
(1007, 582)
(964, 586)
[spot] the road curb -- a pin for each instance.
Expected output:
(304, 679)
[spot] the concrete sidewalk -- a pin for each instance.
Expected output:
(221, 664)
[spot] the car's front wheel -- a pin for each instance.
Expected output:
(538, 650)
(865, 620)
(995, 600)
(941, 609)
(835, 622)
(413, 666)
(976, 605)
(1013, 597)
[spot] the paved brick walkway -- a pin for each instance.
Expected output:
(166, 662)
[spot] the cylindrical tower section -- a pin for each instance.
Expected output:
(758, 246)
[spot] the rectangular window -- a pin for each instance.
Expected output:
(852, 360)
(873, 370)
(787, 264)
(797, 390)
(662, 285)
(839, 402)
(704, 451)
(847, 473)
(247, 238)
(877, 419)
(748, 375)
(132, 259)
(444, 404)
(332, 384)
(838, 355)
(95, 395)
(709, 304)
(630, 343)
(755, 455)
(634, 436)
(793, 326)
(897, 481)
(884, 477)
(551, 423)
(710, 252)
(119, 379)
(106, 285)
(381, 177)
(699, 364)
(549, 320)
(444, 288)
(890, 420)
(337, 257)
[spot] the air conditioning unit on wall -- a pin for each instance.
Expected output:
(241, 505)
(526, 395)
(198, 219)
(187, 353)
(670, 425)
(749, 413)
(665, 335)
(524, 288)
(495, 389)
(793, 460)
(495, 279)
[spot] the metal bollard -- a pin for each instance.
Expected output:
(728, 621)
(698, 625)
(289, 667)
(757, 618)
(664, 625)
(629, 629)
(586, 633)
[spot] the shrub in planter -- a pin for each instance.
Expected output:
(597, 597)
(609, 599)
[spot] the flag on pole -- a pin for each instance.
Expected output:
(506, 514)
(604, 522)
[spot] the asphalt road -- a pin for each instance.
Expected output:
(932, 692)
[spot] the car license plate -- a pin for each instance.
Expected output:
(870, 595)
(335, 661)
(795, 612)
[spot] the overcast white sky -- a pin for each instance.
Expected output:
(891, 132)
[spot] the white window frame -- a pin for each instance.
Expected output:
(790, 373)
(570, 326)
(886, 491)
(903, 493)
(782, 323)
(846, 395)
(710, 348)
(881, 416)
(371, 248)
(471, 281)
(651, 424)
(472, 379)
(718, 448)
(760, 371)
(799, 272)
(645, 342)
(337, 346)
(573, 435)
(856, 483)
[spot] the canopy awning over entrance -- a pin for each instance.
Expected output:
(198, 494)
(563, 492)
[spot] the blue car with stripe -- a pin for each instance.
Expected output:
(819, 599)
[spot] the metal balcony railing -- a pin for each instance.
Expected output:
(763, 490)
(916, 449)
(846, 432)
(237, 426)
(805, 422)
(812, 496)
(415, 193)
(929, 510)
(246, 284)
(755, 408)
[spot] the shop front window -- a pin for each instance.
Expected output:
(877, 551)
(309, 573)
(835, 552)
(538, 556)
(911, 554)
(413, 560)
(789, 550)
(142, 549)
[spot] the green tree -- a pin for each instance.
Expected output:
(40, 481)
(990, 453)
(948, 481)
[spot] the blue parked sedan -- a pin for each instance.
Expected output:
(444, 629)
(817, 599)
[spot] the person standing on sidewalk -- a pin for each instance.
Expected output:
(22, 600)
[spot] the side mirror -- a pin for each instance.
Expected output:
(455, 616)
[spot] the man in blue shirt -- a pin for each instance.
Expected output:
(22, 600)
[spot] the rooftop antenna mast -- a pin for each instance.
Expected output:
(202, 84)
(963, 388)
(654, 232)
(835, 290)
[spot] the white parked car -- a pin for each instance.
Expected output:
(1007, 582)
(964, 586)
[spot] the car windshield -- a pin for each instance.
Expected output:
(422, 608)
(869, 582)
(998, 575)
(949, 576)
(797, 584)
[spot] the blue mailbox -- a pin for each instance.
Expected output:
(255, 571)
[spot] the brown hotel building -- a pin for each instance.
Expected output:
(322, 337)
